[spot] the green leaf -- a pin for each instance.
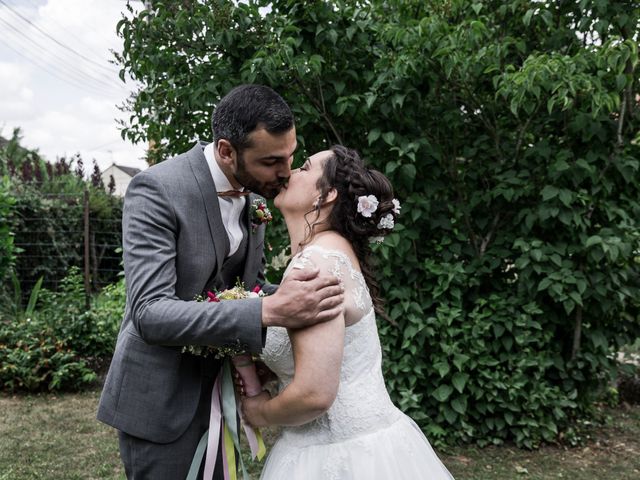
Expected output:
(509, 418)
(565, 197)
(544, 283)
(339, 87)
(459, 404)
(459, 359)
(408, 172)
(459, 380)
(333, 36)
(450, 415)
(575, 296)
(388, 137)
(549, 192)
(536, 254)
(442, 393)
(593, 240)
(527, 17)
(442, 368)
(33, 297)
(373, 135)
(582, 285)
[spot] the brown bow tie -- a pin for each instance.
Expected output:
(234, 193)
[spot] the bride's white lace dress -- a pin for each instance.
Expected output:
(363, 435)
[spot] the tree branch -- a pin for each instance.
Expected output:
(490, 235)
(577, 333)
(623, 109)
(320, 109)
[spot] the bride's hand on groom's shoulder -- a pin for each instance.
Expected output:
(304, 298)
(253, 409)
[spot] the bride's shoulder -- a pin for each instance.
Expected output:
(334, 243)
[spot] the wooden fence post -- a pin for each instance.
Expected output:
(87, 265)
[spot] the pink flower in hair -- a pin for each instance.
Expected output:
(367, 205)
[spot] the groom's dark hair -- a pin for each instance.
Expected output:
(246, 108)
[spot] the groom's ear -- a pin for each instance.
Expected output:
(226, 152)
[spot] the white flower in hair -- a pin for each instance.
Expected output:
(396, 206)
(367, 205)
(386, 222)
(376, 239)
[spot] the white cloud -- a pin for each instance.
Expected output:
(63, 118)
(16, 98)
(86, 127)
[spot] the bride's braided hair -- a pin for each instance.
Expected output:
(346, 172)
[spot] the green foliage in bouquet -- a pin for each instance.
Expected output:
(510, 131)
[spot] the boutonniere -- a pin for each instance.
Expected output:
(259, 214)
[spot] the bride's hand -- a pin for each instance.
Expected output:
(252, 409)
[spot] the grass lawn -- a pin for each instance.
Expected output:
(56, 437)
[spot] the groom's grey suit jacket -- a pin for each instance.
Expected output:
(174, 246)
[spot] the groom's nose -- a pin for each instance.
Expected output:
(284, 172)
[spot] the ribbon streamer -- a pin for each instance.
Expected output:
(223, 421)
(215, 422)
(229, 410)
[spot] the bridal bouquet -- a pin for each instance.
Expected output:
(224, 407)
(228, 351)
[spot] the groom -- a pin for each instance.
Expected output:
(187, 228)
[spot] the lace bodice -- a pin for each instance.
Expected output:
(362, 404)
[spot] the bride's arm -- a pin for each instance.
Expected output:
(317, 352)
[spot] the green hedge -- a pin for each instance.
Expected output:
(509, 130)
(7, 256)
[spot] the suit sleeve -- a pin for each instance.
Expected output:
(150, 233)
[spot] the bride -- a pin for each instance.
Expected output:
(338, 420)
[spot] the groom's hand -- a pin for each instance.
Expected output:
(304, 298)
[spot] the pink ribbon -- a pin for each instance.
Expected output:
(251, 438)
(215, 424)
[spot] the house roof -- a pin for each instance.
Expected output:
(131, 171)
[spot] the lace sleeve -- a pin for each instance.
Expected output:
(357, 298)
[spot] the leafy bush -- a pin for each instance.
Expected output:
(7, 257)
(92, 333)
(61, 346)
(47, 217)
(509, 130)
(33, 358)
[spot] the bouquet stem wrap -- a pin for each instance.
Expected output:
(223, 422)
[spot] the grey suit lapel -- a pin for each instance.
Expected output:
(202, 173)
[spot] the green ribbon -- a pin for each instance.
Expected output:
(229, 410)
(197, 457)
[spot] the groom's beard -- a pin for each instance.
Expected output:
(251, 183)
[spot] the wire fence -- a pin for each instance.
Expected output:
(54, 232)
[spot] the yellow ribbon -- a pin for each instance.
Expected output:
(229, 451)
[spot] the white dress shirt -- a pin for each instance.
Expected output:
(230, 207)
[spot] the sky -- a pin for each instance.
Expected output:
(57, 83)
